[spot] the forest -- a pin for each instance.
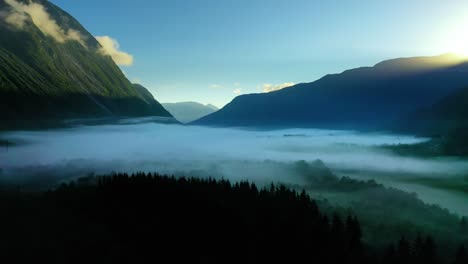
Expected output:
(145, 217)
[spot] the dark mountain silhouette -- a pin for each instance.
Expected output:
(361, 98)
(51, 68)
(189, 111)
(446, 121)
(444, 116)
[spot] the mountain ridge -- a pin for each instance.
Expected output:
(361, 98)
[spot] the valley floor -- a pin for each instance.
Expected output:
(342, 170)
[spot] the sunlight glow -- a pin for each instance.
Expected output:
(461, 47)
(457, 40)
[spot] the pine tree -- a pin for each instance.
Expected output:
(403, 252)
(390, 255)
(464, 224)
(429, 252)
(337, 233)
(461, 256)
(417, 250)
(354, 234)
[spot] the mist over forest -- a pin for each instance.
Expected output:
(45, 158)
(244, 131)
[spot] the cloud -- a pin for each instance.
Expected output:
(237, 91)
(20, 13)
(216, 86)
(275, 87)
(17, 20)
(135, 80)
(110, 47)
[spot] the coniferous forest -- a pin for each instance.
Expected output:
(148, 218)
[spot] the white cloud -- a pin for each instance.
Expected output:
(110, 47)
(275, 87)
(237, 91)
(20, 13)
(216, 86)
(135, 80)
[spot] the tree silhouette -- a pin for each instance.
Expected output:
(429, 252)
(403, 251)
(390, 255)
(461, 256)
(464, 224)
(143, 218)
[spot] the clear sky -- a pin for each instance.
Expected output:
(211, 50)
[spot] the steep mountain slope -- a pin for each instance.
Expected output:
(150, 100)
(51, 67)
(446, 121)
(362, 98)
(189, 111)
(446, 115)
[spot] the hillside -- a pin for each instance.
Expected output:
(362, 98)
(52, 68)
(189, 111)
(445, 120)
(445, 115)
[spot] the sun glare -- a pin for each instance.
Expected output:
(459, 42)
(461, 49)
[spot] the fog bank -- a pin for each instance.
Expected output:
(260, 156)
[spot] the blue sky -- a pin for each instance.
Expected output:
(211, 50)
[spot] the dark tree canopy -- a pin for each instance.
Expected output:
(146, 218)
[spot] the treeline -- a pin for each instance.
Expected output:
(420, 251)
(144, 218)
(453, 142)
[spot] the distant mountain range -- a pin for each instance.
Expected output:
(363, 98)
(187, 112)
(51, 67)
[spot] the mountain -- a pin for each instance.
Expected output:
(361, 98)
(189, 111)
(150, 100)
(212, 107)
(445, 115)
(446, 121)
(52, 68)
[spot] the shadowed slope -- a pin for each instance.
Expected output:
(42, 77)
(362, 98)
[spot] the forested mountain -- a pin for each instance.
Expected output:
(447, 114)
(51, 67)
(445, 120)
(362, 98)
(189, 111)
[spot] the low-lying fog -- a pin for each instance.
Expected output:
(48, 156)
